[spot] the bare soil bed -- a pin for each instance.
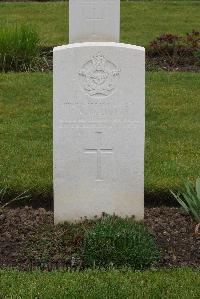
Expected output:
(29, 239)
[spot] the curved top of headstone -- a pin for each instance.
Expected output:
(94, 20)
(98, 44)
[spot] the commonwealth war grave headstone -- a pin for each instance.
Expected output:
(99, 120)
(94, 20)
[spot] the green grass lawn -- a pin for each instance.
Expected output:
(169, 284)
(140, 21)
(172, 131)
(26, 132)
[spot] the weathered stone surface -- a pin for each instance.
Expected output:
(94, 20)
(99, 120)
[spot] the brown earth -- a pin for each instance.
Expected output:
(29, 239)
(159, 63)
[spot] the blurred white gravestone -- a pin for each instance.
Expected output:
(94, 20)
(99, 123)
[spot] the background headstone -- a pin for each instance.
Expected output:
(99, 119)
(94, 20)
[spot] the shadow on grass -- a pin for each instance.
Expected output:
(41, 199)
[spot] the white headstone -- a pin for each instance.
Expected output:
(99, 120)
(94, 20)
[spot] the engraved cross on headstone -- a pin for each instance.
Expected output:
(98, 151)
(94, 21)
(95, 18)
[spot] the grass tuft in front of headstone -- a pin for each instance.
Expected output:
(19, 48)
(119, 242)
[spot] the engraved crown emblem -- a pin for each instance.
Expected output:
(98, 76)
(99, 61)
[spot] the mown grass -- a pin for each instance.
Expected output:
(141, 21)
(172, 129)
(172, 150)
(173, 284)
(26, 132)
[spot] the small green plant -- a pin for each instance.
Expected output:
(189, 198)
(119, 242)
(18, 48)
